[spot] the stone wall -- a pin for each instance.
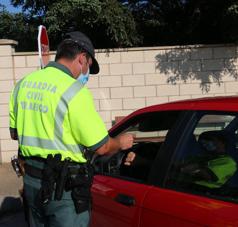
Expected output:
(131, 78)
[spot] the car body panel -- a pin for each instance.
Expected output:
(107, 211)
(158, 205)
(163, 207)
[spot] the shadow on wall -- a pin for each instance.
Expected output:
(201, 65)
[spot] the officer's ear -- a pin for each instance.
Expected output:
(80, 58)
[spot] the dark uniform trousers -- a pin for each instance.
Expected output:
(54, 214)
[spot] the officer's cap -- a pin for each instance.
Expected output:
(85, 43)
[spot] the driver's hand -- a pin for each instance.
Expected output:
(189, 168)
(126, 141)
(130, 158)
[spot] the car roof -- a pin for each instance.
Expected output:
(223, 103)
(209, 103)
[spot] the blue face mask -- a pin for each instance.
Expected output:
(209, 145)
(83, 78)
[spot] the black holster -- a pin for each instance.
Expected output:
(80, 185)
(49, 178)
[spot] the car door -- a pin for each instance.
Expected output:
(164, 207)
(118, 196)
(184, 204)
(116, 202)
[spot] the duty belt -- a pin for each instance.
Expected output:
(73, 168)
(58, 176)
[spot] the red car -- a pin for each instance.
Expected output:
(155, 190)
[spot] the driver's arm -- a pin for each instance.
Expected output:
(113, 145)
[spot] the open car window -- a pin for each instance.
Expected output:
(150, 131)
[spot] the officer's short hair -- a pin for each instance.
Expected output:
(69, 49)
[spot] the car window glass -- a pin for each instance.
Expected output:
(206, 162)
(210, 122)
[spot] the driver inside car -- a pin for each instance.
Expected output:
(211, 168)
(214, 166)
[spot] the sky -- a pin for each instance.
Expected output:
(9, 7)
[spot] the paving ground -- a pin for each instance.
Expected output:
(9, 182)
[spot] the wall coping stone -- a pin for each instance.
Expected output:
(33, 53)
(8, 42)
(166, 47)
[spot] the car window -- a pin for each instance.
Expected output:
(210, 122)
(150, 130)
(206, 162)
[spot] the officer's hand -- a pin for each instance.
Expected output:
(126, 141)
(130, 158)
(113, 145)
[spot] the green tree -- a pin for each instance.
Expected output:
(171, 22)
(124, 23)
(229, 23)
(107, 22)
(34, 7)
(19, 28)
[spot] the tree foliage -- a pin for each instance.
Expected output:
(171, 22)
(123, 23)
(18, 27)
(107, 22)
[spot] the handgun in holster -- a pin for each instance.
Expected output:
(61, 181)
(49, 178)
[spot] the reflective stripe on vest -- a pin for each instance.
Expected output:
(61, 110)
(15, 93)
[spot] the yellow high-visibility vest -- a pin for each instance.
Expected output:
(54, 113)
(223, 167)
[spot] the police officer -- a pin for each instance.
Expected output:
(52, 115)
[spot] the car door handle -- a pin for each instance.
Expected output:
(125, 200)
